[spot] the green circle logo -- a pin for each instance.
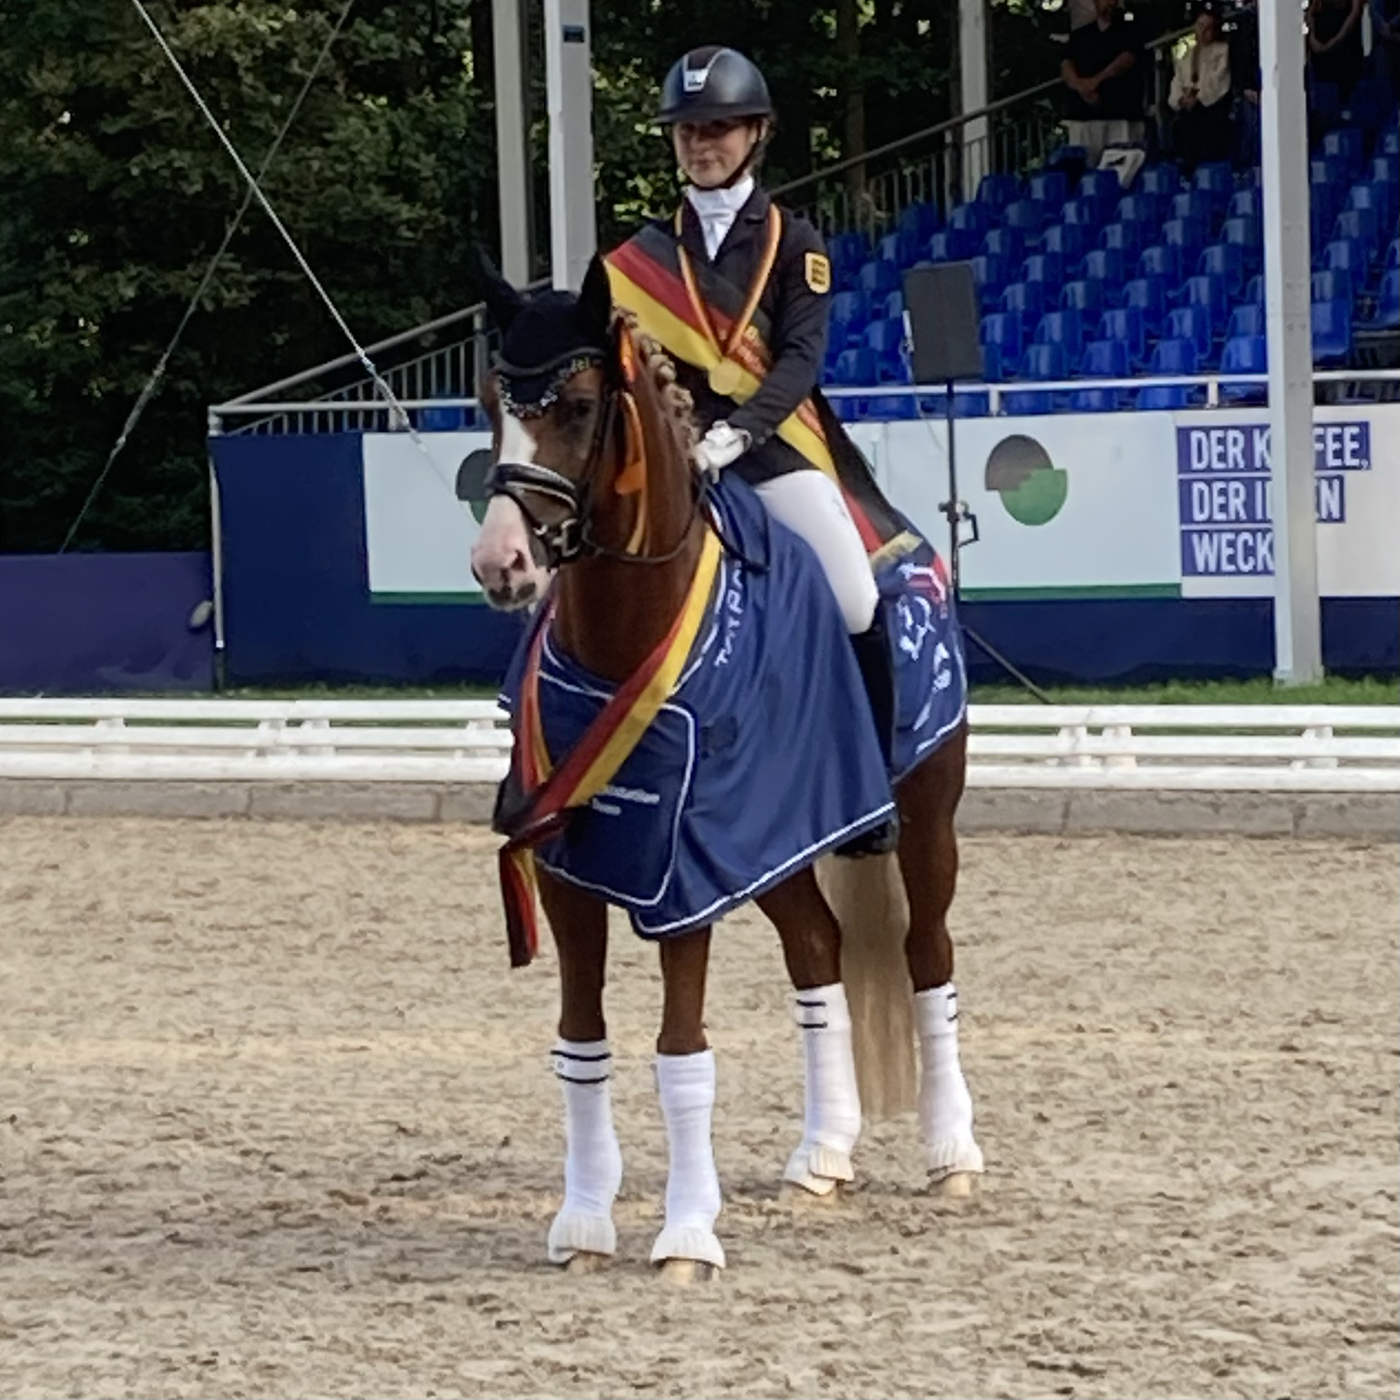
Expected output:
(1032, 488)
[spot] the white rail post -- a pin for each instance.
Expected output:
(573, 231)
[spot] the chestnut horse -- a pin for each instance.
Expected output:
(599, 519)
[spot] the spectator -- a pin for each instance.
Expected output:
(1334, 43)
(1385, 42)
(1103, 73)
(1246, 79)
(1200, 95)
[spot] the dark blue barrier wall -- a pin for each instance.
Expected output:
(1140, 640)
(297, 605)
(76, 623)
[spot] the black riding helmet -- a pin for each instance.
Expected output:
(713, 84)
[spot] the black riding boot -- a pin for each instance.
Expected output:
(873, 658)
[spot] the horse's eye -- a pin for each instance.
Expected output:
(578, 410)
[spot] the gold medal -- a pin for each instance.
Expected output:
(725, 378)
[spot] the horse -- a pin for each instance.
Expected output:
(635, 566)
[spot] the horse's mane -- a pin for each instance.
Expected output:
(658, 370)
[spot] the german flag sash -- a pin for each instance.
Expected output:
(700, 318)
(538, 797)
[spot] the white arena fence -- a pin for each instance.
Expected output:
(1188, 748)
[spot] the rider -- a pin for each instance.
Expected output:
(737, 252)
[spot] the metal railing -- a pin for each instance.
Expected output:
(1271, 748)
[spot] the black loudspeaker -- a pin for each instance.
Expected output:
(940, 301)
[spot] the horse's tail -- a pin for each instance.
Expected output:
(867, 897)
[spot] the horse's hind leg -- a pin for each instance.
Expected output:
(687, 1247)
(928, 860)
(582, 1234)
(811, 940)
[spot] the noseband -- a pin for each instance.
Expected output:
(572, 537)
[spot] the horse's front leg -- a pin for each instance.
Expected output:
(583, 1235)
(811, 939)
(687, 1247)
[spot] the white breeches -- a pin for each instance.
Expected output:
(809, 503)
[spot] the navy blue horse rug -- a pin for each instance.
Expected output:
(764, 758)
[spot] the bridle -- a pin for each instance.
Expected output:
(571, 538)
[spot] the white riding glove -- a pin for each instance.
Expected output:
(719, 447)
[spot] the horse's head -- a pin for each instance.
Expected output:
(575, 421)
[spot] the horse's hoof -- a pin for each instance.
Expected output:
(686, 1273)
(816, 1191)
(956, 1186)
(586, 1262)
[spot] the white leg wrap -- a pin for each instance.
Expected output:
(686, 1086)
(831, 1111)
(945, 1105)
(593, 1167)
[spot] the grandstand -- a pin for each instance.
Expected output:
(1085, 279)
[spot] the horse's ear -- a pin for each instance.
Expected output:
(503, 302)
(595, 297)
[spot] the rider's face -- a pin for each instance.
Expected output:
(710, 152)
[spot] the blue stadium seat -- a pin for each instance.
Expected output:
(1216, 180)
(1104, 265)
(1245, 204)
(1245, 354)
(1331, 332)
(1049, 187)
(1187, 234)
(1008, 244)
(1245, 231)
(1386, 315)
(1002, 338)
(1128, 239)
(1360, 225)
(1192, 323)
(1390, 141)
(856, 367)
(878, 278)
(1207, 290)
(893, 306)
(1246, 320)
(1334, 284)
(1226, 261)
(1083, 296)
(1161, 180)
(1083, 212)
(1043, 362)
(1066, 241)
(1136, 209)
(1170, 357)
(992, 274)
(1392, 254)
(850, 311)
(1102, 359)
(1149, 296)
(953, 245)
(1105, 359)
(1254, 290)
(1347, 144)
(1125, 324)
(1026, 299)
(975, 218)
(1026, 216)
(885, 340)
(1194, 205)
(1043, 267)
(1347, 255)
(1062, 328)
(1162, 262)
